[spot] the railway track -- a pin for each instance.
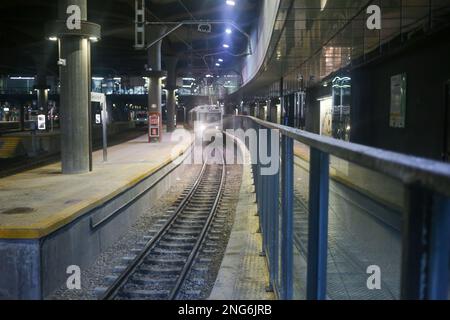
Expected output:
(161, 268)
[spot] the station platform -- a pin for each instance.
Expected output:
(34, 143)
(71, 218)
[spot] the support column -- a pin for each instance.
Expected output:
(75, 106)
(42, 88)
(74, 53)
(154, 72)
(171, 65)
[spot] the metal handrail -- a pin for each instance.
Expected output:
(425, 222)
(432, 174)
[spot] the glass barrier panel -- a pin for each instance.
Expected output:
(301, 191)
(364, 233)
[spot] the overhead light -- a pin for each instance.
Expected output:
(98, 78)
(21, 78)
(209, 76)
(217, 64)
(228, 30)
(231, 3)
(93, 39)
(226, 46)
(53, 38)
(220, 60)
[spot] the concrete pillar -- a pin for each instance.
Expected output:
(75, 96)
(171, 86)
(154, 65)
(41, 87)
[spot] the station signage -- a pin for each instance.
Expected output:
(154, 128)
(41, 122)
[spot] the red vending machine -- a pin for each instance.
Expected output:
(154, 126)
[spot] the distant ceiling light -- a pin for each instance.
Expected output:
(226, 46)
(93, 39)
(228, 30)
(220, 60)
(53, 38)
(209, 76)
(98, 78)
(217, 64)
(21, 78)
(231, 2)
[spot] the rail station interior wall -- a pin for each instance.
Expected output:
(427, 66)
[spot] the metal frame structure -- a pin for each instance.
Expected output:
(178, 24)
(426, 220)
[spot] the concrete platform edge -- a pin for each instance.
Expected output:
(37, 267)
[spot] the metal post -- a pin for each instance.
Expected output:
(171, 87)
(287, 243)
(105, 132)
(425, 247)
(318, 225)
(438, 271)
(273, 185)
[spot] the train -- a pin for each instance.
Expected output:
(206, 119)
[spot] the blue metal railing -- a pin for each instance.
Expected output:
(425, 238)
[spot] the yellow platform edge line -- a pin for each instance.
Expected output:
(68, 215)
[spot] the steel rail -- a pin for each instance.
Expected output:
(114, 289)
(188, 265)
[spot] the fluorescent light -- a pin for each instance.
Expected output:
(53, 38)
(228, 31)
(226, 45)
(217, 64)
(220, 60)
(98, 78)
(93, 39)
(21, 78)
(231, 3)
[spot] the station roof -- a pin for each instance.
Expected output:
(315, 39)
(24, 46)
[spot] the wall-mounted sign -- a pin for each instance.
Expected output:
(154, 126)
(98, 118)
(41, 122)
(398, 101)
